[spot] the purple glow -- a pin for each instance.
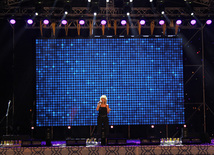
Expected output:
(64, 22)
(161, 22)
(142, 22)
(209, 22)
(81, 22)
(123, 22)
(193, 22)
(103, 22)
(30, 21)
(178, 22)
(46, 22)
(12, 21)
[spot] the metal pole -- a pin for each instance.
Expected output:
(129, 131)
(203, 74)
(167, 131)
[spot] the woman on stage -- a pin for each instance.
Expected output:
(102, 118)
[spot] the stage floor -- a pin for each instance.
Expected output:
(109, 150)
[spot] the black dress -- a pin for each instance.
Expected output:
(102, 119)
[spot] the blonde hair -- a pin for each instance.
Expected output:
(103, 96)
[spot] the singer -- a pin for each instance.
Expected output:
(102, 118)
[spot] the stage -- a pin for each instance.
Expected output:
(108, 150)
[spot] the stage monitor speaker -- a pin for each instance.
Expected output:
(111, 141)
(151, 141)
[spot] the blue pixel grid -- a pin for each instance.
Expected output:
(142, 78)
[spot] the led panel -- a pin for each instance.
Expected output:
(142, 78)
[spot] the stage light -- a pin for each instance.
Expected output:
(151, 1)
(81, 22)
(66, 12)
(161, 22)
(95, 13)
(123, 22)
(185, 125)
(162, 12)
(32, 128)
(112, 126)
(107, 1)
(12, 21)
(69, 127)
(46, 22)
(178, 22)
(89, 1)
(30, 21)
(64, 22)
(209, 22)
(142, 22)
(103, 22)
(130, 1)
(36, 13)
(152, 126)
(192, 14)
(193, 22)
(128, 14)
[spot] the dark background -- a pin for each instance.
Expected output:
(17, 67)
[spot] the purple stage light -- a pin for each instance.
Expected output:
(103, 22)
(178, 22)
(64, 22)
(209, 22)
(81, 22)
(123, 22)
(193, 22)
(161, 22)
(142, 22)
(12, 21)
(30, 21)
(46, 22)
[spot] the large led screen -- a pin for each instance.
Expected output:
(141, 77)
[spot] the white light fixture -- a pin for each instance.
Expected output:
(66, 12)
(95, 13)
(128, 14)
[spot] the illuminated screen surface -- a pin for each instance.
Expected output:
(142, 78)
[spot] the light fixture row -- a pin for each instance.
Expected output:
(104, 22)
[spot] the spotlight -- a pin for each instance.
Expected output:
(152, 126)
(46, 22)
(162, 12)
(36, 13)
(107, 1)
(192, 14)
(89, 1)
(130, 1)
(64, 22)
(12, 21)
(193, 22)
(128, 14)
(95, 13)
(112, 126)
(123, 22)
(32, 128)
(209, 22)
(178, 22)
(103, 22)
(66, 12)
(161, 22)
(81, 22)
(151, 1)
(69, 127)
(185, 125)
(142, 22)
(30, 21)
